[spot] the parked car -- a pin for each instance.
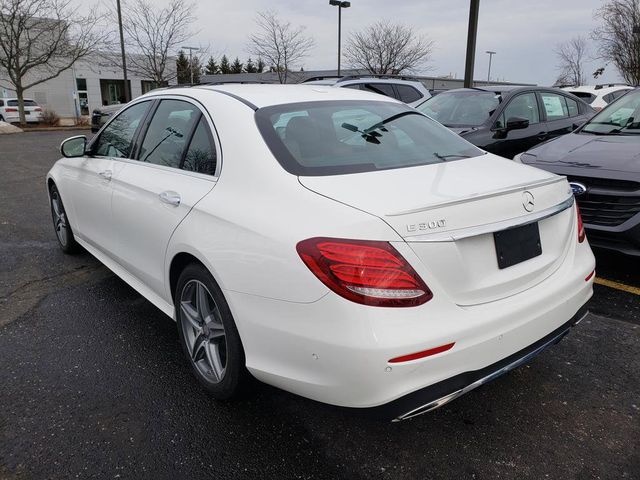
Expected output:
(9, 110)
(602, 162)
(507, 120)
(599, 96)
(99, 116)
(334, 243)
(406, 89)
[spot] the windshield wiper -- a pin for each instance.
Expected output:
(447, 157)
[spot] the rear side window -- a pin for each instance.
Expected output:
(201, 155)
(586, 96)
(407, 93)
(168, 133)
(116, 140)
(379, 88)
(555, 106)
(340, 137)
(572, 107)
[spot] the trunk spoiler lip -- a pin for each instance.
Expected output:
(466, 232)
(494, 193)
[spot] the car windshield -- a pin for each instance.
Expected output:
(339, 137)
(461, 109)
(620, 118)
(27, 103)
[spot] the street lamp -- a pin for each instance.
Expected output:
(340, 5)
(190, 62)
(491, 54)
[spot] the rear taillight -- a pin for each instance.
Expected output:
(581, 233)
(37, 109)
(11, 110)
(363, 271)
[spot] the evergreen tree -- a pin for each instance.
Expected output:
(197, 70)
(250, 67)
(260, 66)
(224, 65)
(182, 68)
(236, 66)
(212, 67)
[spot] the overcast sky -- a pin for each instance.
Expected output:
(523, 33)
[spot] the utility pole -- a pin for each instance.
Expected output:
(491, 54)
(191, 60)
(471, 43)
(127, 93)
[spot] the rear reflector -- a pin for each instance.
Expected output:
(365, 272)
(423, 354)
(581, 233)
(589, 276)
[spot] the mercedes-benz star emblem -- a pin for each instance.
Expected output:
(528, 201)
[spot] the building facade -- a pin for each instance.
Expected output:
(90, 83)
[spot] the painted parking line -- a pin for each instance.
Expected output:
(617, 285)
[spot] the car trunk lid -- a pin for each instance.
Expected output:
(448, 213)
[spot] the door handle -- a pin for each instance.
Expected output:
(105, 174)
(171, 198)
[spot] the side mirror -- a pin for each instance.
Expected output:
(517, 123)
(74, 147)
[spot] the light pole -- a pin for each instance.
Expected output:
(340, 5)
(190, 60)
(491, 54)
(474, 8)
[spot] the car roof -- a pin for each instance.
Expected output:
(265, 95)
(597, 89)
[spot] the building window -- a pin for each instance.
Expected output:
(148, 85)
(81, 84)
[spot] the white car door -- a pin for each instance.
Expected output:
(175, 168)
(90, 177)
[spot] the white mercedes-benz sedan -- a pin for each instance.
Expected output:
(331, 242)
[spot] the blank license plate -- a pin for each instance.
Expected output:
(518, 244)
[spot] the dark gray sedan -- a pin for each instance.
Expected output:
(602, 162)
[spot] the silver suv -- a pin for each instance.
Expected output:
(406, 89)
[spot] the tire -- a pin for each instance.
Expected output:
(1, 118)
(61, 225)
(208, 334)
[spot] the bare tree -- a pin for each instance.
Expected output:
(571, 56)
(40, 39)
(386, 47)
(152, 34)
(279, 44)
(618, 39)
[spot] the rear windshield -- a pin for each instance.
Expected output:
(27, 103)
(339, 137)
(461, 109)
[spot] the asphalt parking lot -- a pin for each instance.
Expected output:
(93, 383)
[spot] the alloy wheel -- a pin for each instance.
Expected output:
(203, 331)
(59, 219)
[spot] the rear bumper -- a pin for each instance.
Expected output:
(439, 394)
(338, 352)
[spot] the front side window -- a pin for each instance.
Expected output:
(379, 88)
(201, 154)
(116, 140)
(340, 137)
(525, 106)
(619, 118)
(463, 108)
(168, 133)
(408, 94)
